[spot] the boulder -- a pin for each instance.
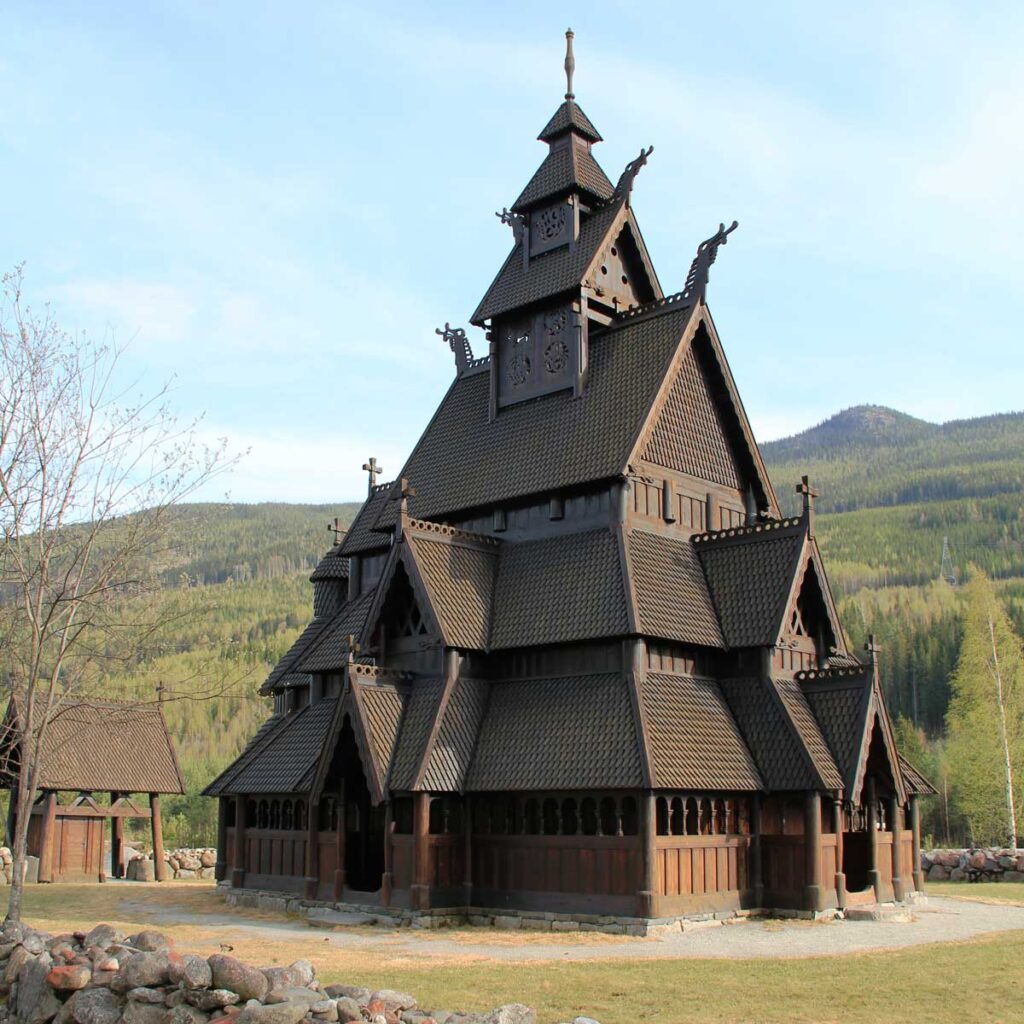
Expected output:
(69, 978)
(938, 873)
(190, 971)
(326, 1010)
(977, 860)
(150, 941)
(186, 1014)
(348, 1009)
(31, 870)
(104, 936)
(142, 970)
(94, 1006)
(33, 942)
(293, 994)
(394, 1001)
(36, 1002)
(147, 995)
(208, 858)
(211, 998)
(141, 870)
(357, 992)
(299, 974)
(145, 1013)
(512, 1013)
(232, 974)
(18, 959)
(276, 1013)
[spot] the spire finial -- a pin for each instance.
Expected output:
(570, 65)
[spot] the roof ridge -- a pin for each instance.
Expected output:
(742, 533)
(652, 308)
(444, 530)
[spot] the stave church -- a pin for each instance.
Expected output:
(574, 659)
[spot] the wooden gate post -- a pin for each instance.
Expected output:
(420, 888)
(915, 830)
(813, 894)
(220, 868)
(116, 839)
(895, 823)
(312, 879)
(238, 858)
(47, 837)
(159, 864)
(837, 827)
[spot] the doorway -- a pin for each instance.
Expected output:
(363, 823)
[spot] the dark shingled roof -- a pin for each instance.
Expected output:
(750, 573)
(807, 728)
(768, 733)
(693, 740)
(690, 435)
(361, 536)
(452, 753)
(284, 673)
(569, 168)
(282, 757)
(559, 589)
(915, 782)
(420, 713)
(382, 705)
(550, 273)
(569, 116)
(840, 705)
(331, 567)
(328, 652)
(671, 592)
(101, 745)
(459, 576)
(574, 732)
(462, 461)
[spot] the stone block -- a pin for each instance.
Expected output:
(507, 922)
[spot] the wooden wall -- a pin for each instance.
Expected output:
(701, 873)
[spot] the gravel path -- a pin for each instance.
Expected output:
(940, 920)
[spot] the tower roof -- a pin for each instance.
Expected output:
(569, 117)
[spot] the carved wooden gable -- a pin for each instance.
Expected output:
(620, 277)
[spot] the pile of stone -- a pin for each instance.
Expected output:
(189, 863)
(106, 977)
(985, 864)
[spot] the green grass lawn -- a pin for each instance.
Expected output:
(948, 983)
(987, 892)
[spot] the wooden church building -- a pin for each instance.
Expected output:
(575, 658)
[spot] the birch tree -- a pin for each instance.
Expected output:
(89, 471)
(986, 717)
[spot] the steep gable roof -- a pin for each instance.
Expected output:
(451, 754)
(104, 745)
(361, 536)
(750, 572)
(569, 116)
(671, 593)
(567, 168)
(694, 741)
(327, 651)
(573, 732)
(464, 461)
(379, 706)
(285, 672)
(806, 727)
(559, 589)
(421, 712)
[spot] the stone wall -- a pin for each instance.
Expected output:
(106, 977)
(190, 863)
(981, 864)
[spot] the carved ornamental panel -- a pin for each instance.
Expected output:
(537, 354)
(551, 227)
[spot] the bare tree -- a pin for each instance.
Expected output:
(89, 474)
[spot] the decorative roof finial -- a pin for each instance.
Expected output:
(570, 64)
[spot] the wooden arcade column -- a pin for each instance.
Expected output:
(814, 894)
(756, 867)
(159, 864)
(896, 825)
(420, 889)
(915, 830)
(220, 869)
(837, 827)
(312, 879)
(238, 853)
(648, 891)
(874, 875)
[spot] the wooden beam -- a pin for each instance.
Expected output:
(467, 846)
(421, 851)
(116, 842)
(756, 874)
(814, 895)
(648, 892)
(312, 879)
(874, 875)
(895, 824)
(220, 868)
(915, 827)
(159, 864)
(47, 836)
(837, 827)
(238, 854)
(387, 877)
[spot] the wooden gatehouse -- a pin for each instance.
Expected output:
(576, 658)
(92, 748)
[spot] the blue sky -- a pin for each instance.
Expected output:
(278, 203)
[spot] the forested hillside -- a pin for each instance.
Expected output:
(235, 590)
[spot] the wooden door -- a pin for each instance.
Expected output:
(77, 848)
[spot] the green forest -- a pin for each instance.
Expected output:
(235, 593)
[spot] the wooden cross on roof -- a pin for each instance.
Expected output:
(809, 494)
(872, 647)
(374, 468)
(337, 529)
